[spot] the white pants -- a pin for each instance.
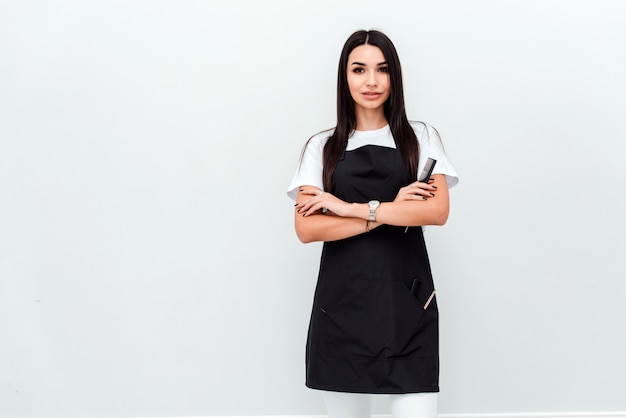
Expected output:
(358, 405)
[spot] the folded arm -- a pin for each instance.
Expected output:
(415, 205)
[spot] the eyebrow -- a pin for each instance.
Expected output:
(378, 65)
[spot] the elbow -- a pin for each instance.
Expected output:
(440, 217)
(304, 231)
(304, 236)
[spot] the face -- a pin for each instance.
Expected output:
(368, 77)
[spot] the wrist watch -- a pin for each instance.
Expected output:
(374, 204)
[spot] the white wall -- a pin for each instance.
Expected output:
(148, 264)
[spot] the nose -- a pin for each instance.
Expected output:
(371, 79)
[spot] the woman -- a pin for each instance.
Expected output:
(374, 326)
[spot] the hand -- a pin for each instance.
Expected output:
(319, 201)
(416, 191)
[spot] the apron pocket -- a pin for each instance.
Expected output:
(378, 318)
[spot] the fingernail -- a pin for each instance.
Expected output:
(435, 187)
(296, 204)
(432, 194)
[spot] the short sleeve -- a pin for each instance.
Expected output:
(431, 146)
(309, 170)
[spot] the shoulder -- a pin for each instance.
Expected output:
(431, 146)
(321, 138)
(423, 129)
(315, 144)
(425, 133)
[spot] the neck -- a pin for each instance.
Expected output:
(369, 119)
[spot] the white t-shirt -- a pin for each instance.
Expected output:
(309, 172)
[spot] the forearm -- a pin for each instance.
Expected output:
(321, 227)
(429, 208)
(417, 213)
(432, 211)
(429, 212)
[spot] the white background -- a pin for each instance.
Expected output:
(148, 264)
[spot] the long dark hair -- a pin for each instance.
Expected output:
(403, 134)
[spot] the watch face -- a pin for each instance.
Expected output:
(374, 204)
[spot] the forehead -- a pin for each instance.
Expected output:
(367, 54)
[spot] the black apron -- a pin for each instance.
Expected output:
(369, 333)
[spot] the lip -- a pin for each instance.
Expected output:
(371, 95)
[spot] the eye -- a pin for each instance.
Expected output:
(384, 69)
(358, 70)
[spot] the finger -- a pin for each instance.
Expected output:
(422, 186)
(412, 197)
(414, 189)
(312, 209)
(311, 192)
(304, 207)
(422, 192)
(310, 206)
